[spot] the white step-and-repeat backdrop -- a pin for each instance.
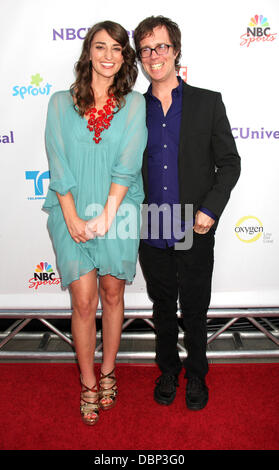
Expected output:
(231, 47)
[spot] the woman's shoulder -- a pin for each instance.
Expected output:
(61, 98)
(135, 98)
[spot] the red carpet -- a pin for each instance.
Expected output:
(39, 410)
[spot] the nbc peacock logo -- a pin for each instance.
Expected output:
(258, 30)
(259, 20)
(43, 267)
(43, 276)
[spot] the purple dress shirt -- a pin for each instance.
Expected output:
(163, 189)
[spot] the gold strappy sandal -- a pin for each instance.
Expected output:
(108, 390)
(89, 405)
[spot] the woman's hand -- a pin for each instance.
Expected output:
(76, 227)
(75, 224)
(97, 227)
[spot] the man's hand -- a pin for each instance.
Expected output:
(203, 223)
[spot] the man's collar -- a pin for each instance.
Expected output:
(177, 89)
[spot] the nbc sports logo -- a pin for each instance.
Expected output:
(258, 30)
(43, 276)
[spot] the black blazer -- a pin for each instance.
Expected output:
(208, 161)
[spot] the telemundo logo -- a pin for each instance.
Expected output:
(38, 178)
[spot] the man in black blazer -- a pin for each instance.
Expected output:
(191, 158)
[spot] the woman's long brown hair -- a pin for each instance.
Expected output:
(124, 80)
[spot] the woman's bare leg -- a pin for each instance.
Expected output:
(112, 297)
(85, 302)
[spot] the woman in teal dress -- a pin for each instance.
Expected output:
(95, 138)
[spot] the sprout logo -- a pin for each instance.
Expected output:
(31, 90)
(248, 229)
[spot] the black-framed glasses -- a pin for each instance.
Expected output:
(161, 49)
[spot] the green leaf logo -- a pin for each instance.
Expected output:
(36, 79)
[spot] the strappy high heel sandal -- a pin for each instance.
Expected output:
(107, 391)
(89, 405)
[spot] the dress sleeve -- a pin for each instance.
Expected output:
(61, 178)
(129, 160)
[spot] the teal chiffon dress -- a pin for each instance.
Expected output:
(87, 169)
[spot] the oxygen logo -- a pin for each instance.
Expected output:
(38, 179)
(258, 30)
(43, 276)
(30, 90)
(248, 229)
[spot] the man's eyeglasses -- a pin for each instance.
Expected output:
(161, 49)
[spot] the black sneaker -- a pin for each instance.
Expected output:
(165, 390)
(196, 393)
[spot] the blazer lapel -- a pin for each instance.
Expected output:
(187, 112)
(188, 104)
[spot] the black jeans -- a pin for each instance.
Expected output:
(185, 275)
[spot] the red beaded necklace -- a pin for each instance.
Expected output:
(102, 121)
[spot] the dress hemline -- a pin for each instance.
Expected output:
(123, 278)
